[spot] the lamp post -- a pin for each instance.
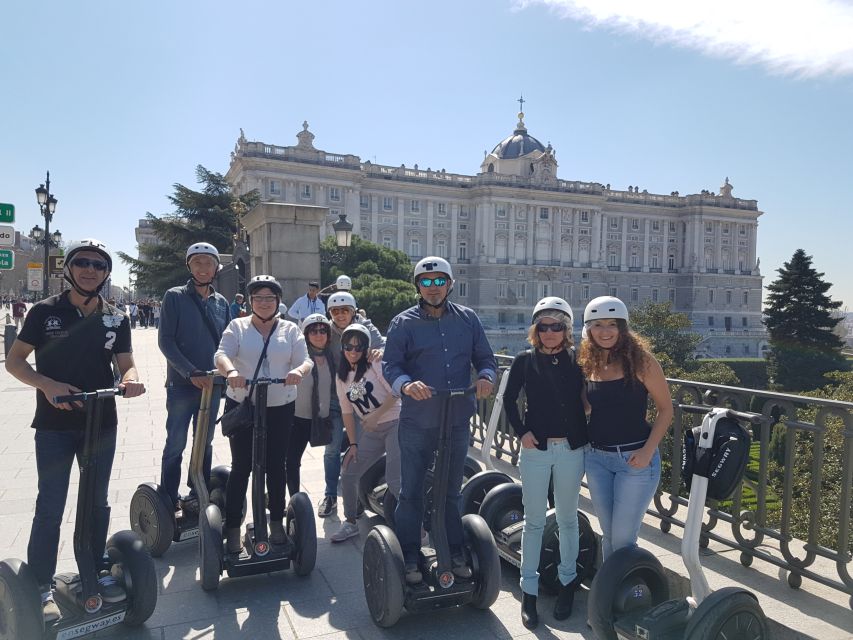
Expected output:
(343, 231)
(47, 206)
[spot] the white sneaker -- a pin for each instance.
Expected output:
(348, 530)
(49, 608)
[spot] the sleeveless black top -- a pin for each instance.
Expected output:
(618, 412)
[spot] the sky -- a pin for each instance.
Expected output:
(121, 100)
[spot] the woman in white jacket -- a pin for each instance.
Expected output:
(237, 359)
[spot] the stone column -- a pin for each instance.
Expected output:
(624, 262)
(401, 226)
(718, 249)
(374, 219)
(284, 242)
(352, 207)
(576, 237)
(599, 222)
(453, 250)
(646, 231)
(530, 258)
(429, 238)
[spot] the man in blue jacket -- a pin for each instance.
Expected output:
(433, 345)
(192, 319)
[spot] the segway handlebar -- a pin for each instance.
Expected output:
(86, 395)
(453, 392)
(754, 418)
(266, 381)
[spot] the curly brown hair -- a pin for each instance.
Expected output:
(631, 351)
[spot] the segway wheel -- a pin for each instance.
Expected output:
(210, 547)
(218, 483)
(133, 565)
(370, 480)
(502, 506)
(302, 530)
(152, 520)
(549, 557)
(20, 602)
(484, 556)
(472, 467)
(630, 579)
(728, 614)
(389, 507)
(384, 577)
(474, 491)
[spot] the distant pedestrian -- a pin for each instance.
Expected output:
(133, 312)
(307, 304)
(19, 309)
(238, 307)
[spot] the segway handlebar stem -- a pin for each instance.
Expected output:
(754, 418)
(266, 381)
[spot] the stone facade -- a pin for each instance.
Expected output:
(515, 232)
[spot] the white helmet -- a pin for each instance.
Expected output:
(605, 307)
(259, 282)
(355, 327)
(314, 318)
(433, 263)
(343, 283)
(341, 299)
(553, 303)
(87, 244)
(203, 248)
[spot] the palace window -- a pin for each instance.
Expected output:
(306, 192)
(416, 206)
(364, 201)
(275, 188)
(387, 203)
(334, 194)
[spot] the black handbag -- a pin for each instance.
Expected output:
(321, 428)
(242, 416)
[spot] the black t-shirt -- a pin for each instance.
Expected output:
(77, 350)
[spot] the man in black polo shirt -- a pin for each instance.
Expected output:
(76, 336)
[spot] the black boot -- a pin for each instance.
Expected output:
(529, 617)
(565, 600)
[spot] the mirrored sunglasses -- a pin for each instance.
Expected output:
(85, 263)
(429, 282)
(556, 327)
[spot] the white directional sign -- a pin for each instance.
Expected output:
(34, 277)
(7, 235)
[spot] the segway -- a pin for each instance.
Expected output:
(83, 609)
(373, 490)
(503, 511)
(383, 568)
(629, 599)
(258, 554)
(153, 516)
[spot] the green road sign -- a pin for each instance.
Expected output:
(7, 259)
(7, 212)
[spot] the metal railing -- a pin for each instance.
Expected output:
(794, 503)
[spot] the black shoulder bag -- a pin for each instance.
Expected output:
(242, 416)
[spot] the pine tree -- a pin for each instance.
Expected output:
(799, 318)
(209, 215)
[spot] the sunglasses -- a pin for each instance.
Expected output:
(352, 347)
(264, 299)
(429, 282)
(322, 330)
(85, 263)
(556, 327)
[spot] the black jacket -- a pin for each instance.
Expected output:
(554, 406)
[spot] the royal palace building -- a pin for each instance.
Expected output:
(514, 232)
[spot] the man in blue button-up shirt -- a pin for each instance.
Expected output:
(433, 345)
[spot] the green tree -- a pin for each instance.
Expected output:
(383, 298)
(667, 330)
(210, 214)
(799, 319)
(362, 256)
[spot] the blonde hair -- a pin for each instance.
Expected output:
(631, 351)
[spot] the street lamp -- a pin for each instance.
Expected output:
(343, 231)
(47, 207)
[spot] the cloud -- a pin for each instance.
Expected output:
(804, 38)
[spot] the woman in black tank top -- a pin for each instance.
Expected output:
(623, 463)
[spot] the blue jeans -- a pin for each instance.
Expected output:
(55, 453)
(416, 456)
(332, 455)
(620, 495)
(182, 405)
(536, 467)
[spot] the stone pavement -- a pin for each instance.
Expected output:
(328, 604)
